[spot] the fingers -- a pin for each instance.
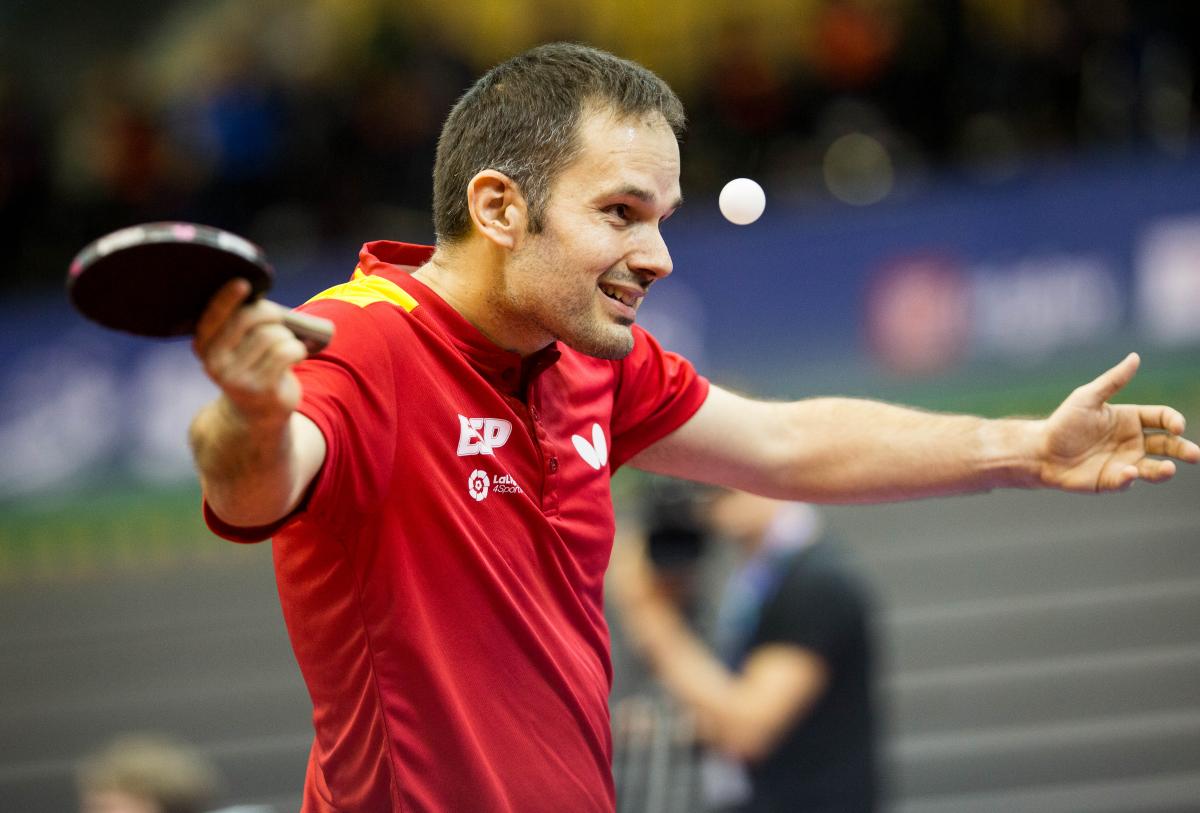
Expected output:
(227, 328)
(224, 304)
(1164, 445)
(1120, 477)
(1111, 382)
(1155, 471)
(1162, 417)
(1116, 477)
(264, 354)
(248, 352)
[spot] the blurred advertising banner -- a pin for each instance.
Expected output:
(928, 280)
(81, 403)
(911, 288)
(1168, 280)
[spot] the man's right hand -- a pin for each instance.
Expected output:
(254, 452)
(248, 352)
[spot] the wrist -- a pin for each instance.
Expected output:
(1011, 452)
(256, 420)
(226, 441)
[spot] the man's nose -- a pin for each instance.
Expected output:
(653, 258)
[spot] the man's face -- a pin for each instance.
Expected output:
(581, 279)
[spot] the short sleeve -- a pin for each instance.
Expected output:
(818, 606)
(657, 392)
(349, 392)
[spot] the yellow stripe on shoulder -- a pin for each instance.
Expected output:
(363, 290)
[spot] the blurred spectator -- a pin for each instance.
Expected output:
(232, 126)
(784, 696)
(855, 43)
(745, 102)
(323, 116)
(141, 773)
(24, 185)
(148, 773)
(114, 160)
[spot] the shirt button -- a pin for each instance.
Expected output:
(553, 464)
(533, 413)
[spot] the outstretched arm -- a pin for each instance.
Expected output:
(255, 454)
(838, 450)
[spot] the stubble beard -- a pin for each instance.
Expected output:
(581, 328)
(616, 345)
(578, 322)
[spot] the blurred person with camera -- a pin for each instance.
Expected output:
(783, 699)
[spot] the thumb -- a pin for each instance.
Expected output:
(1109, 383)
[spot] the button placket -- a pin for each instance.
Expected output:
(550, 474)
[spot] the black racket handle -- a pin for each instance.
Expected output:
(313, 331)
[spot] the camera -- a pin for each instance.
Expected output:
(675, 530)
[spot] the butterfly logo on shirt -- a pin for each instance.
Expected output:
(595, 453)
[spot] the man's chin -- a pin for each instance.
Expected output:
(611, 344)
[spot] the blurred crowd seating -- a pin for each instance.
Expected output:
(313, 122)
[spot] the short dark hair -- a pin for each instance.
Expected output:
(522, 118)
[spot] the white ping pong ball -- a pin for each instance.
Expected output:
(742, 201)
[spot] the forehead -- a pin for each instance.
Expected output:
(620, 150)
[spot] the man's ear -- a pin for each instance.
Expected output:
(497, 207)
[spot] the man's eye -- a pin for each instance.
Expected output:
(621, 210)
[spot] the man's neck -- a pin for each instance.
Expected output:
(467, 277)
(446, 274)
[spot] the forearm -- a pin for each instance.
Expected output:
(851, 450)
(741, 714)
(684, 665)
(686, 668)
(841, 450)
(252, 472)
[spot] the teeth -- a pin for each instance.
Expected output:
(617, 295)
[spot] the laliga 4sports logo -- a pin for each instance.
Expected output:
(479, 483)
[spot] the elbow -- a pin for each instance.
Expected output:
(801, 465)
(744, 741)
(740, 732)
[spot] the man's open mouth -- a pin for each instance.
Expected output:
(619, 295)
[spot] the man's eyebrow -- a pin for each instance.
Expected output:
(644, 195)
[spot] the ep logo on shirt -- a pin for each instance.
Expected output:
(481, 435)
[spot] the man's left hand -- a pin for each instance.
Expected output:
(1091, 445)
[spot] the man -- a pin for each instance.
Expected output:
(437, 481)
(784, 698)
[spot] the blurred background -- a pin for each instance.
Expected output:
(972, 205)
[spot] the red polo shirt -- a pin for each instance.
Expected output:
(442, 586)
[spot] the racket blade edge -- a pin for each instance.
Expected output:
(156, 279)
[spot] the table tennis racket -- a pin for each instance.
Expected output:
(156, 279)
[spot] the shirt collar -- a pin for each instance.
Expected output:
(506, 370)
(795, 525)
